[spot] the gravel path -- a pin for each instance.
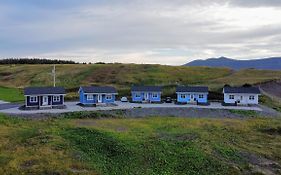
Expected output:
(215, 110)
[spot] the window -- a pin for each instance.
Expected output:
(108, 97)
(252, 97)
(137, 95)
(201, 96)
(183, 96)
(90, 97)
(56, 98)
(231, 97)
(33, 99)
(154, 95)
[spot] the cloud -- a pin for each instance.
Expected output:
(141, 31)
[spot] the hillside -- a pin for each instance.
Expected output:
(82, 144)
(123, 76)
(273, 63)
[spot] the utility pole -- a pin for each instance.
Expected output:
(54, 75)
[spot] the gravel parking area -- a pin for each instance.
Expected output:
(73, 107)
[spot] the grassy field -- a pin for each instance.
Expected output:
(78, 145)
(11, 94)
(123, 76)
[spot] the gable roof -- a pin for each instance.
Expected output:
(204, 89)
(242, 90)
(99, 89)
(43, 90)
(146, 89)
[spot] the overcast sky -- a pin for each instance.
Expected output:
(141, 31)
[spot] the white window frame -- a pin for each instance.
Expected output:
(56, 98)
(201, 96)
(183, 96)
(137, 95)
(251, 97)
(90, 95)
(108, 97)
(33, 99)
(231, 97)
(154, 95)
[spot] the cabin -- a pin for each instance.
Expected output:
(93, 95)
(192, 94)
(146, 94)
(44, 97)
(241, 95)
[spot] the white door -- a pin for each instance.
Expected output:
(99, 98)
(191, 98)
(45, 101)
(146, 96)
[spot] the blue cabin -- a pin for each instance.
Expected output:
(146, 94)
(44, 97)
(97, 95)
(192, 94)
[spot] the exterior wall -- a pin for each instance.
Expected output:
(104, 100)
(61, 102)
(28, 103)
(40, 101)
(146, 96)
(83, 98)
(243, 101)
(196, 98)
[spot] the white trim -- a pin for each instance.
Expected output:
(205, 93)
(88, 97)
(101, 93)
(33, 101)
(56, 98)
(106, 97)
(146, 92)
(44, 95)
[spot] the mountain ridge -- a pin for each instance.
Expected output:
(271, 63)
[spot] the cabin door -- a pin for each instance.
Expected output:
(45, 101)
(99, 98)
(146, 96)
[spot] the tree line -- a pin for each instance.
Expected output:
(34, 61)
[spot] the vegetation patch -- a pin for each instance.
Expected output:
(247, 113)
(11, 94)
(154, 145)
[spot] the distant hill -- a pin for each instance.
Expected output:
(273, 63)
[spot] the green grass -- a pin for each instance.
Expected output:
(267, 101)
(83, 144)
(11, 94)
(123, 76)
(244, 113)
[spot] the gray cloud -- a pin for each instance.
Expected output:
(168, 32)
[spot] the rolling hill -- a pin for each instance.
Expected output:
(123, 76)
(273, 63)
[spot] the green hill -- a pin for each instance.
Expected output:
(155, 145)
(123, 76)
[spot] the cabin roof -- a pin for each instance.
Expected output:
(99, 89)
(203, 89)
(242, 90)
(43, 90)
(146, 89)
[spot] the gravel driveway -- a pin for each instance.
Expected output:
(73, 107)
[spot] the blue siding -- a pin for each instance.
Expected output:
(112, 100)
(195, 97)
(83, 98)
(142, 96)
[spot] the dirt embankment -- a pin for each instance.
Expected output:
(273, 88)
